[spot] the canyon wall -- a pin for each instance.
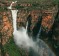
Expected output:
(48, 17)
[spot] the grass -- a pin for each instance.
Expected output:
(32, 1)
(12, 49)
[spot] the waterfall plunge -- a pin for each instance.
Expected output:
(20, 36)
(14, 16)
(22, 39)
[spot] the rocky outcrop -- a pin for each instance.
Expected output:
(47, 18)
(6, 26)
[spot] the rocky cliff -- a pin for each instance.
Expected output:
(46, 18)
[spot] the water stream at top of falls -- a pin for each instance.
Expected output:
(26, 26)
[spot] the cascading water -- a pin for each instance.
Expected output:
(22, 39)
(26, 26)
(38, 35)
(14, 19)
(10, 7)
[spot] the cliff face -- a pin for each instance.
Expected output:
(22, 18)
(6, 26)
(48, 17)
(45, 18)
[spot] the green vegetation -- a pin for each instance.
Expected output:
(12, 49)
(36, 4)
(19, 7)
(33, 1)
(1, 9)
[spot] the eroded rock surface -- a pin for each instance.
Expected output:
(6, 26)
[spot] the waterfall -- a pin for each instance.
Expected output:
(10, 7)
(22, 39)
(38, 35)
(26, 26)
(14, 16)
